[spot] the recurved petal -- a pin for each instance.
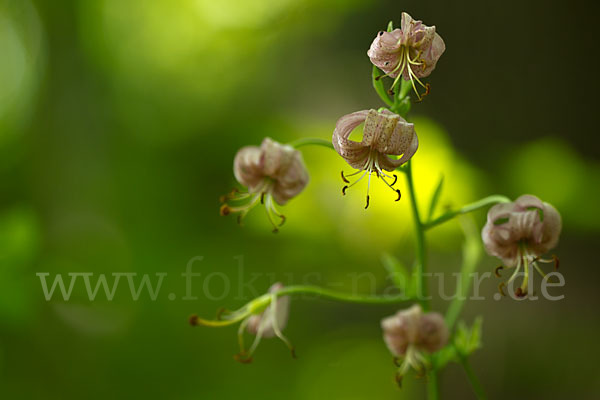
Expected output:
(385, 50)
(291, 180)
(404, 141)
(551, 228)
(247, 166)
(433, 333)
(430, 55)
(355, 153)
(527, 201)
(266, 317)
(500, 241)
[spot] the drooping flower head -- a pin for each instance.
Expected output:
(409, 333)
(272, 173)
(410, 52)
(385, 134)
(264, 317)
(519, 233)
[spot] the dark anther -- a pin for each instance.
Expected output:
(556, 261)
(395, 180)
(275, 230)
(262, 198)
(344, 190)
(344, 178)
(378, 77)
(396, 361)
(193, 320)
(501, 288)
(367, 206)
(293, 351)
(497, 271)
(391, 92)
(520, 292)
(239, 219)
(399, 195)
(282, 219)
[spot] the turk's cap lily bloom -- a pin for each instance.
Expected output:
(385, 134)
(410, 52)
(409, 333)
(264, 317)
(272, 173)
(519, 233)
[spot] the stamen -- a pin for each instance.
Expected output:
(344, 178)
(224, 210)
(193, 320)
(501, 287)
(497, 271)
(368, 189)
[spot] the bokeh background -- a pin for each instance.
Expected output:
(119, 121)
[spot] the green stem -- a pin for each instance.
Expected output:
(433, 386)
(472, 378)
(311, 141)
(485, 202)
(419, 238)
(340, 296)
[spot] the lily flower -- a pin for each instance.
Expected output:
(272, 173)
(410, 333)
(519, 233)
(264, 317)
(410, 52)
(385, 134)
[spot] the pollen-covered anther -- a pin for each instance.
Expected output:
(193, 320)
(224, 210)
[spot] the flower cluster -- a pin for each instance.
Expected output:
(409, 333)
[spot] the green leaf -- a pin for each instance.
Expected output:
(379, 88)
(467, 340)
(435, 198)
(398, 272)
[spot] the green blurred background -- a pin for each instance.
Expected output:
(119, 121)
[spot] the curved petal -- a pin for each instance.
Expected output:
(355, 153)
(247, 167)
